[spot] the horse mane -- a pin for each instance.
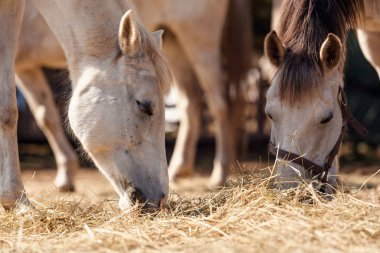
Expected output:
(160, 63)
(303, 27)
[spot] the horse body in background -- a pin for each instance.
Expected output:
(195, 58)
(368, 34)
(305, 101)
(37, 48)
(119, 77)
(194, 51)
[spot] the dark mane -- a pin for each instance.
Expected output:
(303, 27)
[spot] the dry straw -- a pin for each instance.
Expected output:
(246, 216)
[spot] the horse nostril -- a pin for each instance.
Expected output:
(137, 196)
(134, 196)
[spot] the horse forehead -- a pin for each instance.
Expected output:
(146, 78)
(274, 88)
(324, 93)
(146, 74)
(273, 94)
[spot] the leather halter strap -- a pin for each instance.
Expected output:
(316, 170)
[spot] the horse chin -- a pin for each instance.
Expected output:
(288, 176)
(333, 177)
(291, 176)
(125, 202)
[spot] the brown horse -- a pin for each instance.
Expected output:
(305, 101)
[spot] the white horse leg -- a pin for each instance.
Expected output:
(11, 186)
(206, 59)
(210, 76)
(182, 162)
(36, 90)
(369, 43)
(183, 158)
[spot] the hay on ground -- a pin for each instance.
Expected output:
(247, 216)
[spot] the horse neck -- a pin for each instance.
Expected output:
(86, 29)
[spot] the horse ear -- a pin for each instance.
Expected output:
(274, 49)
(157, 36)
(129, 35)
(331, 52)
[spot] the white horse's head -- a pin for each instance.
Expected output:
(117, 112)
(303, 105)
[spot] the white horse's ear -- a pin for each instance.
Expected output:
(157, 36)
(331, 52)
(274, 49)
(129, 35)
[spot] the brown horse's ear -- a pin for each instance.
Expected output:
(331, 52)
(129, 35)
(274, 49)
(157, 36)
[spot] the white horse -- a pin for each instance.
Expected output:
(305, 101)
(119, 77)
(193, 46)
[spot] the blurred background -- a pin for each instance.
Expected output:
(362, 86)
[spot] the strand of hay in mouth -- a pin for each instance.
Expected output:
(246, 216)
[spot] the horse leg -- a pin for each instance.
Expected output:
(37, 92)
(11, 186)
(209, 73)
(369, 42)
(183, 158)
(182, 162)
(206, 59)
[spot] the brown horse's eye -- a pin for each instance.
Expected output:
(145, 107)
(327, 119)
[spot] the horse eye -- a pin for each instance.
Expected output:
(145, 107)
(326, 120)
(269, 116)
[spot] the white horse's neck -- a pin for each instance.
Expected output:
(86, 29)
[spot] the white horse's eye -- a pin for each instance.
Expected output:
(145, 107)
(268, 114)
(327, 119)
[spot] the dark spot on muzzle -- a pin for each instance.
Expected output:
(138, 196)
(146, 204)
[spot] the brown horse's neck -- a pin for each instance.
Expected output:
(305, 24)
